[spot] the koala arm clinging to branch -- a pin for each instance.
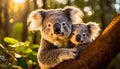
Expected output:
(55, 27)
(50, 55)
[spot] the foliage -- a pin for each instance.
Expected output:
(22, 55)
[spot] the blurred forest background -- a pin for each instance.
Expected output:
(18, 46)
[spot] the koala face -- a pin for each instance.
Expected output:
(56, 25)
(80, 34)
(84, 33)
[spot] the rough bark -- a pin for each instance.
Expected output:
(100, 52)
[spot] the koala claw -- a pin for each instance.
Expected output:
(69, 54)
(73, 53)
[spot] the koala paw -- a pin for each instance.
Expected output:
(68, 54)
(73, 53)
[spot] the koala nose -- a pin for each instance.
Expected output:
(56, 28)
(78, 37)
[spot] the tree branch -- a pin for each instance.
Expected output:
(100, 52)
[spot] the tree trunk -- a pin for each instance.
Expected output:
(44, 4)
(35, 4)
(103, 19)
(35, 33)
(69, 3)
(1, 16)
(6, 17)
(110, 10)
(100, 52)
(1, 23)
(24, 31)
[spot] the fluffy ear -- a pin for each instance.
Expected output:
(35, 19)
(94, 29)
(75, 14)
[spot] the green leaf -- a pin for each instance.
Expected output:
(34, 53)
(28, 50)
(10, 40)
(27, 43)
(33, 58)
(20, 49)
(22, 62)
(34, 46)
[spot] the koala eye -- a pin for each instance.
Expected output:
(63, 24)
(73, 33)
(49, 25)
(84, 34)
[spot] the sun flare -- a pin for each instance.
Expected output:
(19, 1)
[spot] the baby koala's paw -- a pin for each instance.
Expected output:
(73, 53)
(69, 54)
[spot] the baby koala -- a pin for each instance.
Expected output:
(83, 34)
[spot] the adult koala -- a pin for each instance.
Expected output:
(55, 27)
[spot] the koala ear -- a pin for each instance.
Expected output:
(94, 29)
(74, 14)
(35, 19)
